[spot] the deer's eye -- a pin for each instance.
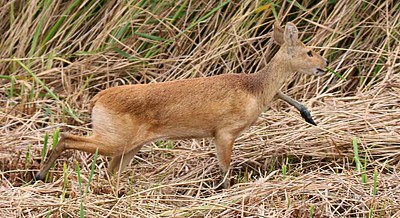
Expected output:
(309, 53)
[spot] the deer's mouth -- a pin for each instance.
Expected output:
(320, 71)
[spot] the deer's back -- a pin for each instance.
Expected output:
(206, 103)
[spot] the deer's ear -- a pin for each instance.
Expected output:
(278, 34)
(291, 34)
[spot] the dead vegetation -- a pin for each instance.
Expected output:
(283, 167)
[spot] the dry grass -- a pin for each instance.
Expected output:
(282, 168)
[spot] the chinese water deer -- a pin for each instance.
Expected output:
(127, 117)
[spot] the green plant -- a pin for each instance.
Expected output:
(82, 192)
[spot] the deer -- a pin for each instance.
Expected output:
(124, 118)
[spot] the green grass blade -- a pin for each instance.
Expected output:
(201, 20)
(296, 4)
(274, 12)
(375, 188)
(151, 50)
(151, 37)
(311, 211)
(32, 92)
(28, 155)
(39, 28)
(86, 83)
(65, 185)
(120, 33)
(55, 136)
(356, 156)
(12, 87)
(5, 77)
(81, 208)
(284, 170)
(12, 14)
(364, 169)
(336, 74)
(59, 22)
(92, 170)
(122, 53)
(44, 149)
(179, 12)
(49, 61)
(22, 93)
(49, 91)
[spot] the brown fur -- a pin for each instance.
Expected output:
(127, 117)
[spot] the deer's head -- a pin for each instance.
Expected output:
(300, 58)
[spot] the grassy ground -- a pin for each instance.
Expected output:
(56, 55)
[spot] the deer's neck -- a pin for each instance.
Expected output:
(271, 78)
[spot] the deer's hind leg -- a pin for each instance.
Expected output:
(67, 141)
(123, 158)
(120, 162)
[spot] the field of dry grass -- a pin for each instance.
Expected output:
(56, 55)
